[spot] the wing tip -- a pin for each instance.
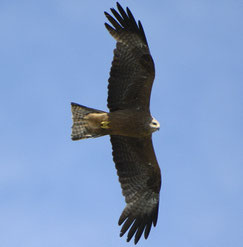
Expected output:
(139, 224)
(118, 5)
(126, 20)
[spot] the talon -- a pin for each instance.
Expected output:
(105, 125)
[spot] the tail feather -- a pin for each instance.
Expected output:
(82, 128)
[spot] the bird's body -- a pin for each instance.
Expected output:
(129, 124)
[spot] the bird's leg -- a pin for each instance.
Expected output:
(105, 125)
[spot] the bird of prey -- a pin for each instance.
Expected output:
(129, 123)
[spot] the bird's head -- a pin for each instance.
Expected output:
(154, 125)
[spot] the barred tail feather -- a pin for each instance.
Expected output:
(82, 126)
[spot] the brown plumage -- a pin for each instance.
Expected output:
(129, 124)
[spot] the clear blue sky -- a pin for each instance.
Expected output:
(59, 193)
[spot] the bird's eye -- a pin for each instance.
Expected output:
(154, 123)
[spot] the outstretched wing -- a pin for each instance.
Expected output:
(132, 72)
(139, 175)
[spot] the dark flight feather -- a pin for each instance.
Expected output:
(132, 72)
(139, 175)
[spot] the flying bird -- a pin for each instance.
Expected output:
(129, 123)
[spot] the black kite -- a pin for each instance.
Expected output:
(129, 124)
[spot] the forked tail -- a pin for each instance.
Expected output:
(87, 122)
